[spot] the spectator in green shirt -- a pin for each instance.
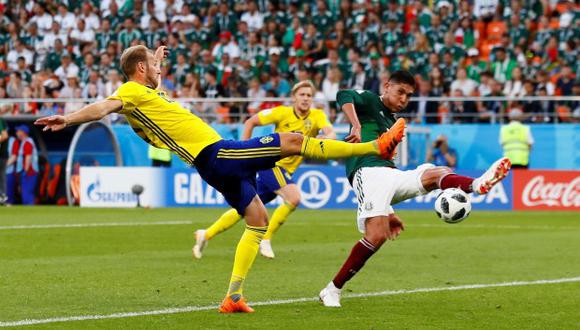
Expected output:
(128, 34)
(476, 66)
(503, 66)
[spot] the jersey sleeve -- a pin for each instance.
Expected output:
(127, 95)
(351, 96)
(322, 120)
(270, 116)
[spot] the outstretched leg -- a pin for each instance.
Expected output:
(296, 144)
(444, 178)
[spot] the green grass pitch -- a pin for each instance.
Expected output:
(53, 271)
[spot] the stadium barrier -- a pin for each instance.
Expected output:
(322, 187)
(489, 109)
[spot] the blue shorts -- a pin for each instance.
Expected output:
(270, 181)
(231, 166)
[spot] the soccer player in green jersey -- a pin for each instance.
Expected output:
(378, 184)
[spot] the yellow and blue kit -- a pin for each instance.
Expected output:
(286, 120)
(228, 166)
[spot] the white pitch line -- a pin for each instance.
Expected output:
(297, 223)
(467, 226)
(101, 224)
(188, 309)
(455, 226)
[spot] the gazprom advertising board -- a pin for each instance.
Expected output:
(112, 186)
(322, 187)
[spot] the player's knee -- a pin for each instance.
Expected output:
(264, 218)
(262, 221)
(296, 139)
(293, 201)
(291, 143)
(377, 238)
(256, 216)
(431, 178)
(444, 170)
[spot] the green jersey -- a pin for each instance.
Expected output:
(375, 119)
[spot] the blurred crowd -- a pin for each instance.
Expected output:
(70, 49)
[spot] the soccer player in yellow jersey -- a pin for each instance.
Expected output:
(228, 166)
(298, 118)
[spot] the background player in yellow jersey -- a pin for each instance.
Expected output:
(298, 118)
(228, 166)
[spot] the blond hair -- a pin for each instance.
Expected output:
(131, 56)
(303, 83)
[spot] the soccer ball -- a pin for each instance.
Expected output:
(452, 205)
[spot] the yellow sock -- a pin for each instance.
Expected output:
(278, 218)
(328, 149)
(225, 222)
(245, 254)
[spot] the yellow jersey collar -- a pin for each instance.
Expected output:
(298, 116)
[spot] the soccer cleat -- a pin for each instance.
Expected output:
(266, 249)
(389, 140)
(200, 243)
(492, 176)
(229, 306)
(330, 296)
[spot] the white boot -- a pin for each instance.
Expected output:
(200, 243)
(266, 249)
(330, 295)
(494, 174)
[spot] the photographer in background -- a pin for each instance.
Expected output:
(440, 154)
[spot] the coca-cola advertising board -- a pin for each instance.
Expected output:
(546, 190)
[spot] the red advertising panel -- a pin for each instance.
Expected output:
(546, 190)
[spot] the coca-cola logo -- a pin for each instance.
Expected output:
(539, 192)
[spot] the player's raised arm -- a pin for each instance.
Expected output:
(91, 112)
(328, 133)
(262, 118)
(249, 126)
(346, 100)
(160, 55)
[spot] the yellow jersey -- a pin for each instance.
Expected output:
(287, 120)
(164, 123)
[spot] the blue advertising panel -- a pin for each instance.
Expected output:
(477, 146)
(186, 188)
(322, 187)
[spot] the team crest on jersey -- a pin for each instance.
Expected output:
(368, 206)
(307, 125)
(266, 139)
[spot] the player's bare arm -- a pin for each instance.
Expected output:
(160, 55)
(92, 112)
(396, 225)
(328, 133)
(355, 132)
(249, 126)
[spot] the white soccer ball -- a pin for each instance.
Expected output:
(453, 205)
